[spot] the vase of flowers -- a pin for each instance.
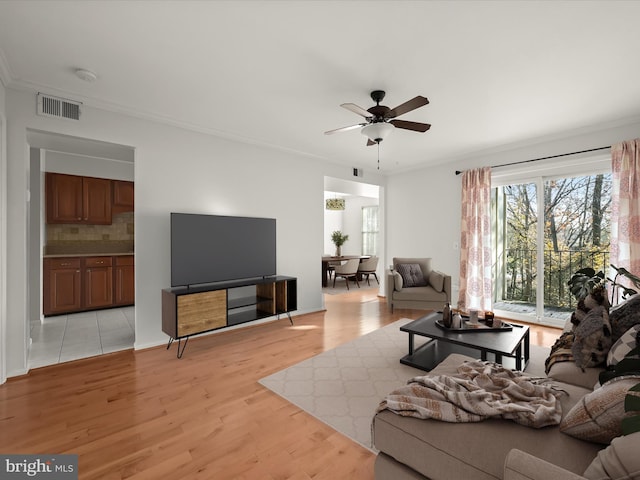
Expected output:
(338, 238)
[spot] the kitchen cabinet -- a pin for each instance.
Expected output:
(76, 284)
(124, 280)
(62, 283)
(75, 199)
(122, 196)
(98, 282)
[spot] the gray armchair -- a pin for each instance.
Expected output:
(420, 288)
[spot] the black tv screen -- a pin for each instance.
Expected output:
(214, 248)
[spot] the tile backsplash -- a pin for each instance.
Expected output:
(70, 238)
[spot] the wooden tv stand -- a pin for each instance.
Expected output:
(188, 311)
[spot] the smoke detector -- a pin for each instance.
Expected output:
(86, 75)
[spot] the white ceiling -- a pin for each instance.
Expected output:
(273, 73)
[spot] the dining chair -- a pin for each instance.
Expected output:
(368, 267)
(348, 270)
(331, 266)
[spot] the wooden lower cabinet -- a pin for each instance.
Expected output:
(75, 284)
(98, 282)
(124, 281)
(62, 285)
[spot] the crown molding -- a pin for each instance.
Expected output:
(106, 105)
(517, 147)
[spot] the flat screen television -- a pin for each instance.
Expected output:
(214, 248)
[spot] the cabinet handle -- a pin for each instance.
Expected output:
(65, 264)
(77, 271)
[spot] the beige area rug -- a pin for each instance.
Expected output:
(342, 387)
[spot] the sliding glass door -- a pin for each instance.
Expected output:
(545, 229)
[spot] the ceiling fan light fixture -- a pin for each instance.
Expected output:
(376, 132)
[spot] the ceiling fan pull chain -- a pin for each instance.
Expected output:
(378, 155)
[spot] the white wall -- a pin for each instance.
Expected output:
(423, 217)
(427, 223)
(333, 220)
(175, 170)
(3, 231)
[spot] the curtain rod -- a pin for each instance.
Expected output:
(458, 172)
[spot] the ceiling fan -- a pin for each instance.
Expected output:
(380, 120)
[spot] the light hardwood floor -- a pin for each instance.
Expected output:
(148, 415)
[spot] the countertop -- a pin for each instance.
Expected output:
(67, 255)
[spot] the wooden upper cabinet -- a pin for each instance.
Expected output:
(74, 199)
(122, 196)
(97, 200)
(64, 198)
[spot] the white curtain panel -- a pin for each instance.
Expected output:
(475, 241)
(625, 206)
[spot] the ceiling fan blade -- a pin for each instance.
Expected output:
(356, 109)
(370, 142)
(415, 126)
(412, 104)
(344, 129)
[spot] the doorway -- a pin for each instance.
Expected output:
(65, 337)
(357, 214)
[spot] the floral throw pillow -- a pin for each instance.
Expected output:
(411, 274)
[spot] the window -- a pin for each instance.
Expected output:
(544, 230)
(370, 230)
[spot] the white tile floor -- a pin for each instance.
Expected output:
(70, 337)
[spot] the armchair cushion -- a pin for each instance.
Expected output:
(397, 281)
(412, 275)
(436, 280)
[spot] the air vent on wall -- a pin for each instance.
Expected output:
(49, 106)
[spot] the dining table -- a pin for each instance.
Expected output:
(326, 259)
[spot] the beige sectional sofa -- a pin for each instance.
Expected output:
(411, 448)
(430, 294)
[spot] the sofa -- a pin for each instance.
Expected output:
(413, 448)
(413, 283)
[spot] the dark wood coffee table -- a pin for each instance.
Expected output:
(512, 344)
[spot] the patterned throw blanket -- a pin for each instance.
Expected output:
(479, 390)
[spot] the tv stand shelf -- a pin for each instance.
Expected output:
(192, 310)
